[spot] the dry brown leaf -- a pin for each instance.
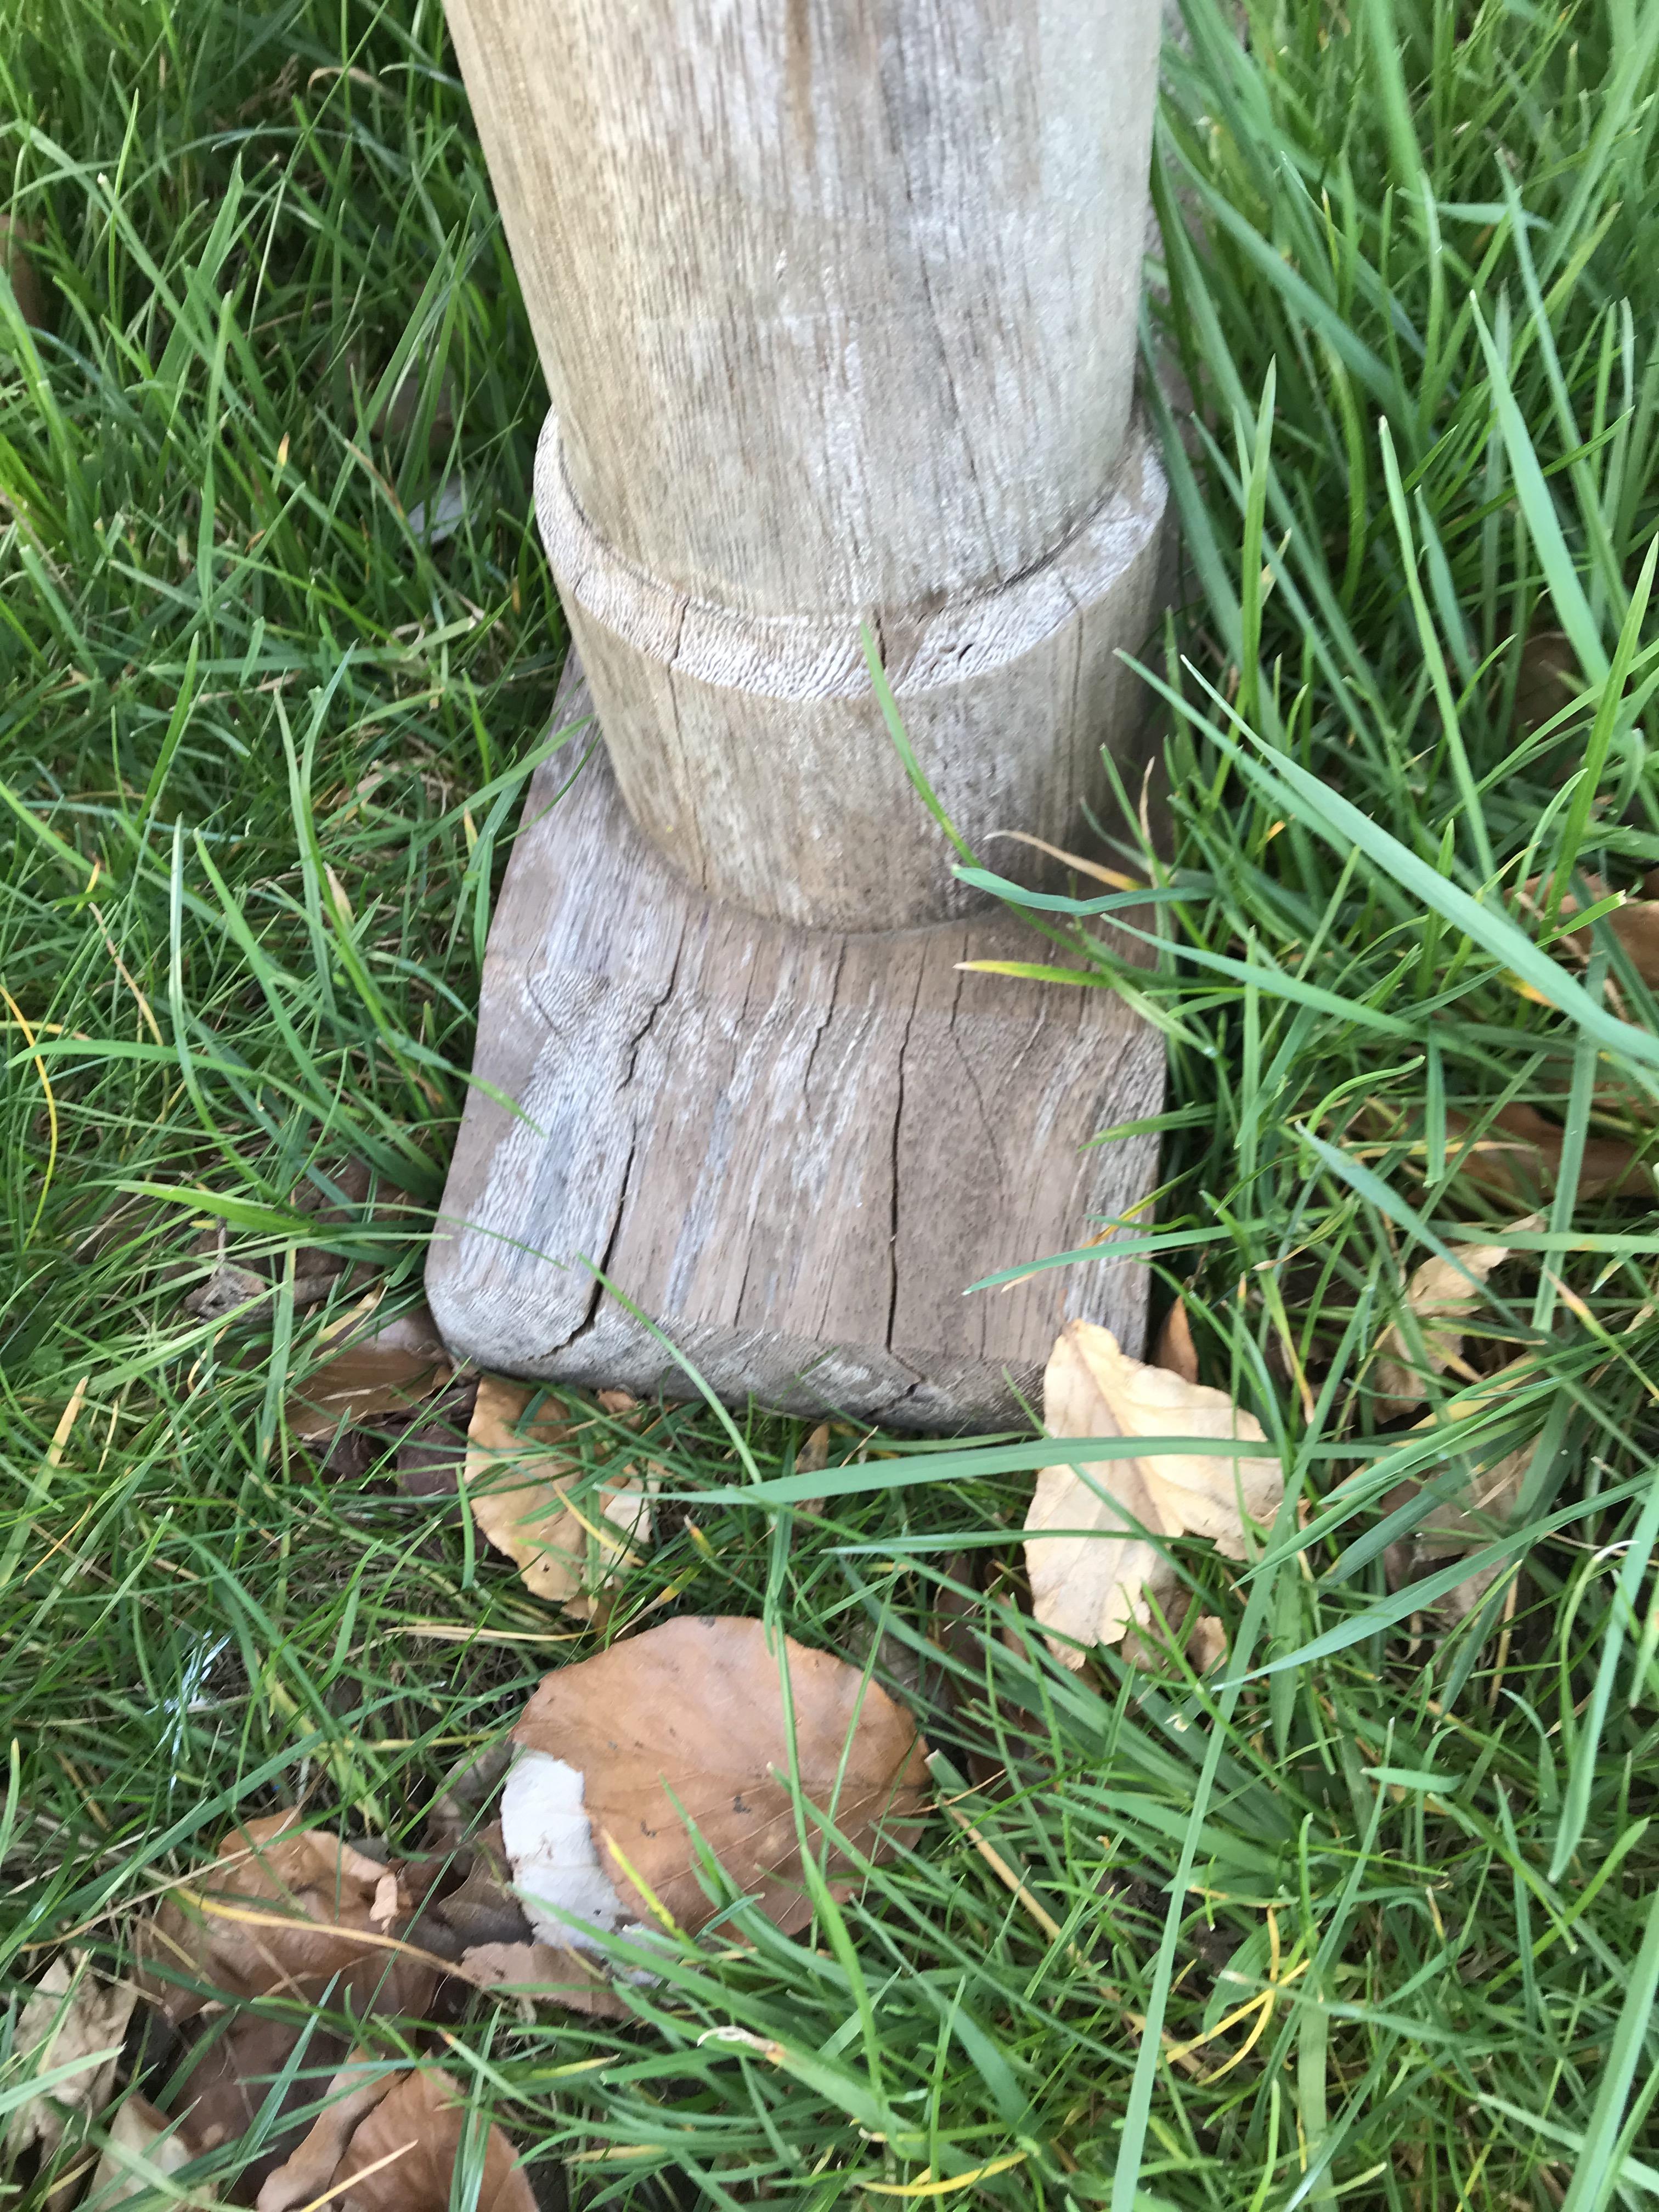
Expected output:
(225, 2081)
(307, 2173)
(285, 1909)
(1547, 678)
(1440, 1296)
(1206, 1643)
(1465, 1522)
(1113, 877)
(143, 2145)
(1635, 923)
(1520, 1156)
(229, 1290)
(1175, 1349)
(27, 284)
(431, 1455)
(401, 2157)
(454, 1812)
(521, 1477)
(695, 1707)
(482, 1909)
(554, 1973)
(1094, 1588)
(812, 1458)
(71, 2016)
(390, 1369)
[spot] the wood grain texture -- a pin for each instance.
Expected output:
(792, 1149)
(836, 299)
(837, 304)
(753, 751)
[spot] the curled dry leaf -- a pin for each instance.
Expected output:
(688, 1720)
(226, 2073)
(27, 287)
(556, 1973)
(1635, 925)
(482, 1909)
(522, 1480)
(1441, 1294)
(1547, 678)
(1519, 1156)
(431, 1454)
(393, 1369)
(142, 2148)
(229, 1289)
(285, 1909)
(812, 1458)
(244, 1285)
(305, 2174)
(1206, 1643)
(458, 1808)
(1175, 1349)
(1463, 1523)
(402, 2156)
(69, 2021)
(1093, 1588)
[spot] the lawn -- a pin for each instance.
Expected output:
(1367, 1913)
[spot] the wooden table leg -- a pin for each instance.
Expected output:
(837, 303)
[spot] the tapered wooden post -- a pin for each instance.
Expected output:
(838, 302)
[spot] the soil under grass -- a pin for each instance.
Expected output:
(1370, 1913)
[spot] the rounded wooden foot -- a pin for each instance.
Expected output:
(793, 1148)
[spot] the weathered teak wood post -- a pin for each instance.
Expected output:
(837, 301)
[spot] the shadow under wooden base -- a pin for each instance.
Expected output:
(793, 1149)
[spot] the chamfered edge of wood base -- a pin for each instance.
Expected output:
(793, 1149)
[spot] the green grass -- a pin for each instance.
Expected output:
(262, 749)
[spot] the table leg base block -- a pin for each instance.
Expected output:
(793, 1150)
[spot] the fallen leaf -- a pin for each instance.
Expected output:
(401, 2157)
(438, 521)
(1440, 1296)
(522, 1481)
(812, 1458)
(455, 1811)
(1094, 1588)
(1519, 1156)
(1206, 1643)
(482, 1909)
(28, 288)
(1175, 1349)
(144, 2149)
(400, 413)
(557, 1973)
(1635, 923)
(1463, 1523)
(282, 1910)
(305, 2174)
(1547, 678)
(71, 2018)
(224, 2078)
(696, 1708)
(226, 1291)
(390, 1369)
(431, 1455)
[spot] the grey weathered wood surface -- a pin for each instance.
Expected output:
(837, 303)
(793, 1148)
(757, 755)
